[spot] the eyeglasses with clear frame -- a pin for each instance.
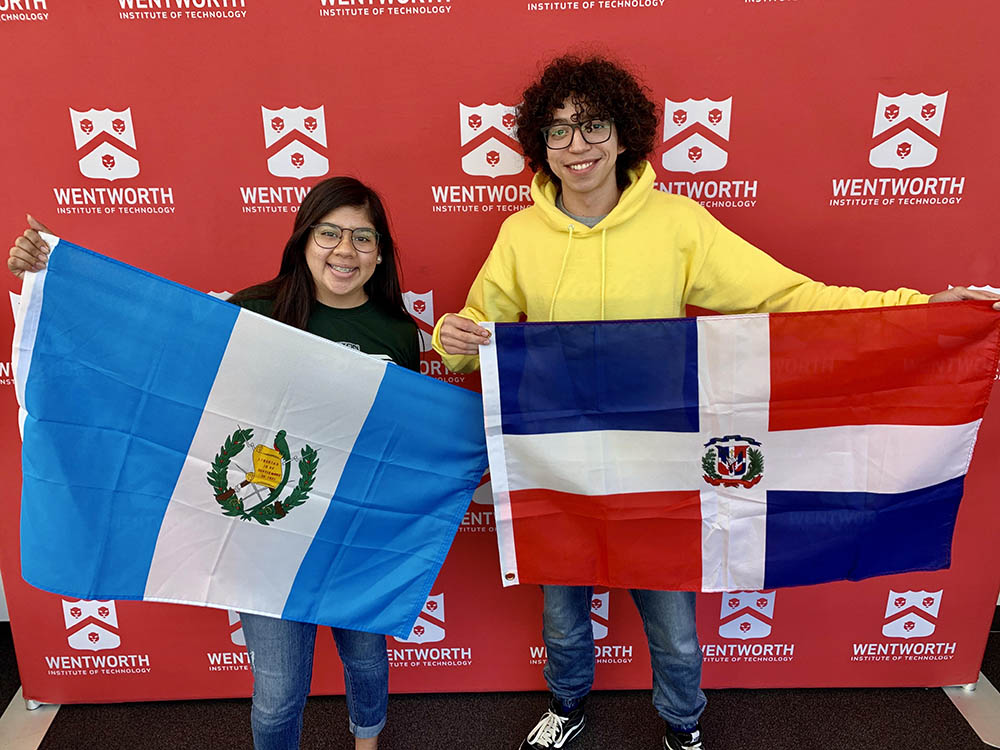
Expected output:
(560, 135)
(329, 236)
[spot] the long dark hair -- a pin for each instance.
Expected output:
(294, 290)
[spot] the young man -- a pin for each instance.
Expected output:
(600, 243)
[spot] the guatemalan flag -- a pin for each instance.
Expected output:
(739, 452)
(180, 449)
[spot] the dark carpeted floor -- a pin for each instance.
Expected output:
(10, 681)
(834, 719)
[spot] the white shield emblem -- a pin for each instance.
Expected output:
(904, 124)
(295, 139)
(103, 134)
(696, 129)
(599, 619)
(429, 626)
(911, 614)
(753, 612)
(236, 628)
(100, 621)
(421, 307)
(491, 157)
(474, 121)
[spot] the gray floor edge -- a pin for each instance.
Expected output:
(980, 705)
(22, 728)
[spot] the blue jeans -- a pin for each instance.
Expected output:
(669, 621)
(281, 656)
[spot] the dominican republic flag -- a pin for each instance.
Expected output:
(180, 449)
(737, 452)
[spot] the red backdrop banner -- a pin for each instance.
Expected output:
(849, 139)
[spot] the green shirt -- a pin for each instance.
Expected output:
(365, 328)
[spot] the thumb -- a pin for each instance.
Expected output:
(36, 224)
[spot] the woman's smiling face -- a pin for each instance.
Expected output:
(341, 273)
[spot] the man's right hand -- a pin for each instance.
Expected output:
(462, 336)
(29, 251)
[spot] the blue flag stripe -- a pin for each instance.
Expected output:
(363, 556)
(649, 382)
(815, 537)
(132, 444)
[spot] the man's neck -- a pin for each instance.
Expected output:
(592, 203)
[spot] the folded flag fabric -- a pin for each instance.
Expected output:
(737, 452)
(179, 449)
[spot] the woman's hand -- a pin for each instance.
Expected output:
(957, 293)
(29, 251)
(462, 336)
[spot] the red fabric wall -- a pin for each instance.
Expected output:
(803, 159)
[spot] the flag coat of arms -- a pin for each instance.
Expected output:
(736, 452)
(177, 448)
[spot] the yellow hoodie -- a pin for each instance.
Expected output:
(653, 254)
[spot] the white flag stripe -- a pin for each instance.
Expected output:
(734, 400)
(197, 543)
(885, 458)
(496, 449)
(604, 462)
(615, 462)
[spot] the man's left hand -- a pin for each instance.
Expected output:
(957, 293)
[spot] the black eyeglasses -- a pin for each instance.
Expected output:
(560, 135)
(329, 236)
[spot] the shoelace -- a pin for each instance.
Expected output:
(547, 730)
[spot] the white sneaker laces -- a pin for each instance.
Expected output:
(547, 730)
(695, 743)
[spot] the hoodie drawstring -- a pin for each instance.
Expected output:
(562, 270)
(604, 265)
(552, 305)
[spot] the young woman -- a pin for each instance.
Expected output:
(338, 279)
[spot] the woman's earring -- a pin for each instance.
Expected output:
(378, 258)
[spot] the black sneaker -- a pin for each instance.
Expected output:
(682, 740)
(555, 729)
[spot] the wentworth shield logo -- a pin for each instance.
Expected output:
(429, 626)
(105, 143)
(490, 131)
(92, 625)
(746, 615)
(421, 307)
(257, 495)
(696, 134)
(906, 130)
(733, 461)
(295, 140)
(236, 628)
(599, 619)
(911, 614)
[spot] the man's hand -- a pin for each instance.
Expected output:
(957, 293)
(462, 336)
(29, 252)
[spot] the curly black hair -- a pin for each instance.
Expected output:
(597, 88)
